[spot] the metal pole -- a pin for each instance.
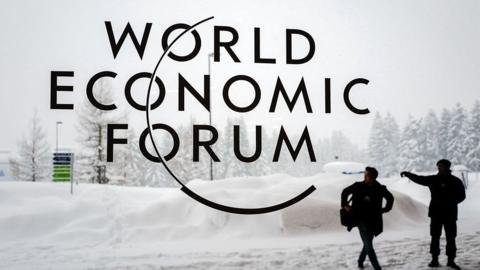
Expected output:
(56, 138)
(56, 135)
(71, 174)
(210, 55)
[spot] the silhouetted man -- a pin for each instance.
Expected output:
(446, 192)
(367, 208)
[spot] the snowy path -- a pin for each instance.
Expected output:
(408, 253)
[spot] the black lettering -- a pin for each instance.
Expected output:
(258, 58)
(258, 144)
(328, 96)
(180, 58)
(294, 153)
(346, 96)
(225, 44)
(311, 50)
(54, 88)
(182, 84)
(206, 144)
(175, 147)
(111, 140)
(90, 85)
(128, 31)
(128, 91)
(301, 89)
(234, 107)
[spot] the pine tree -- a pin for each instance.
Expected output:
(391, 136)
(34, 161)
(457, 135)
(383, 143)
(443, 133)
(432, 142)
(472, 141)
(410, 147)
(377, 142)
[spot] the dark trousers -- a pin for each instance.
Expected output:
(450, 226)
(367, 235)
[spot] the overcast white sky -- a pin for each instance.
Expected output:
(418, 55)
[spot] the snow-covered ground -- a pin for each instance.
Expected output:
(42, 226)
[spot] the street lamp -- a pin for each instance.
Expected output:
(56, 135)
(210, 56)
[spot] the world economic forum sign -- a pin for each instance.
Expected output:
(225, 39)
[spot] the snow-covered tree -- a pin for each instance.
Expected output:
(324, 152)
(391, 135)
(225, 145)
(343, 149)
(14, 167)
(472, 141)
(411, 157)
(302, 165)
(445, 119)
(376, 141)
(229, 165)
(383, 144)
(125, 167)
(201, 169)
(263, 165)
(34, 160)
(247, 147)
(241, 168)
(457, 135)
(154, 174)
(183, 163)
(432, 144)
(92, 134)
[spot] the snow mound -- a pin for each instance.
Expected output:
(113, 214)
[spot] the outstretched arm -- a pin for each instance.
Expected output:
(419, 179)
(389, 197)
(345, 193)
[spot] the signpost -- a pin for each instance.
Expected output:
(63, 168)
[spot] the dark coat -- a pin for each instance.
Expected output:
(447, 192)
(367, 204)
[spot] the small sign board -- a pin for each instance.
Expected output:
(62, 167)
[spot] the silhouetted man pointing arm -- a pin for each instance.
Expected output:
(447, 191)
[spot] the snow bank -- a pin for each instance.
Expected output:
(113, 214)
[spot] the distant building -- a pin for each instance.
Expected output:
(5, 170)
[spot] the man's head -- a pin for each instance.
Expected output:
(443, 166)
(370, 174)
